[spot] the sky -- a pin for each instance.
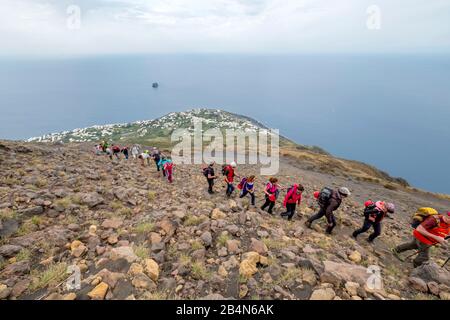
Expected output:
(89, 27)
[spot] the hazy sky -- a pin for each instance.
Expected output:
(40, 27)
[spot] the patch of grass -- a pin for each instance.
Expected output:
(27, 227)
(192, 220)
(390, 186)
(63, 202)
(116, 205)
(184, 259)
(76, 199)
(196, 245)
(156, 295)
(6, 214)
(37, 220)
(242, 279)
(10, 181)
(289, 275)
(172, 250)
(144, 227)
(151, 196)
(125, 211)
(199, 271)
(222, 239)
(392, 270)
(41, 183)
(273, 243)
(52, 275)
(142, 251)
(424, 296)
(23, 255)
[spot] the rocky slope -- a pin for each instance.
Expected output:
(134, 236)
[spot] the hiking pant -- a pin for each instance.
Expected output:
(156, 163)
(321, 214)
(268, 203)
(230, 188)
(290, 210)
(366, 226)
(210, 185)
(252, 195)
(424, 251)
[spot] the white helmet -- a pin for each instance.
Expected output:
(233, 164)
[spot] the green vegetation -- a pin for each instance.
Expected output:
(52, 275)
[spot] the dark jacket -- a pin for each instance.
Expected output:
(333, 204)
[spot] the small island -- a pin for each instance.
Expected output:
(155, 85)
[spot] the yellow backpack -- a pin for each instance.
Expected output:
(421, 214)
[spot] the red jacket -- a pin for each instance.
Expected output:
(440, 229)
(292, 196)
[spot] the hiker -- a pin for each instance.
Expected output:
(115, 151)
(135, 151)
(156, 155)
(125, 152)
(104, 145)
(98, 150)
(161, 164)
(209, 173)
(109, 152)
(432, 231)
(271, 192)
(374, 213)
(247, 187)
(168, 170)
(292, 198)
(229, 172)
(329, 201)
(144, 156)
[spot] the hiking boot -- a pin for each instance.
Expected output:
(355, 235)
(308, 224)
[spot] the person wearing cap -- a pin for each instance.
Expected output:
(230, 173)
(432, 231)
(374, 213)
(156, 155)
(210, 175)
(327, 209)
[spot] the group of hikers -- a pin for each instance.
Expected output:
(163, 163)
(429, 226)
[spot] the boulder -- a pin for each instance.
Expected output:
(345, 272)
(432, 272)
(99, 292)
(258, 246)
(418, 284)
(91, 199)
(126, 253)
(114, 223)
(323, 294)
(9, 250)
(152, 269)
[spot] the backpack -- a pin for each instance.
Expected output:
(325, 196)
(369, 210)
(242, 184)
(206, 172)
(421, 214)
(225, 169)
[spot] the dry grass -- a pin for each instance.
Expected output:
(52, 275)
(199, 271)
(192, 220)
(144, 227)
(222, 239)
(142, 251)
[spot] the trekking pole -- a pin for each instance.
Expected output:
(417, 252)
(445, 262)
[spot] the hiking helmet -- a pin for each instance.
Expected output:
(390, 207)
(316, 194)
(344, 191)
(233, 164)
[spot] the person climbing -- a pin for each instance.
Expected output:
(247, 187)
(229, 171)
(292, 198)
(209, 173)
(116, 151)
(125, 152)
(109, 152)
(161, 164)
(329, 201)
(168, 169)
(156, 155)
(135, 152)
(432, 231)
(374, 213)
(144, 156)
(271, 192)
(104, 145)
